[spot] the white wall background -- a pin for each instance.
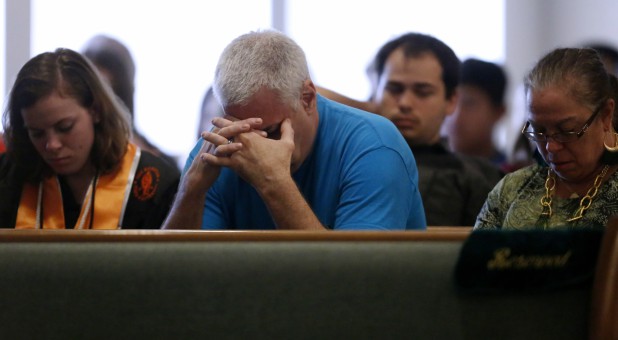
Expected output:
(339, 46)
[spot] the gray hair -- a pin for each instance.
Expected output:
(260, 59)
(579, 71)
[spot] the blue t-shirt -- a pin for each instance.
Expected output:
(360, 174)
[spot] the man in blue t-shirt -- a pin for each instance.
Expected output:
(284, 157)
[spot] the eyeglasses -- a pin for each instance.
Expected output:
(560, 137)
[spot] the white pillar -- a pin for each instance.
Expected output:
(17, 39)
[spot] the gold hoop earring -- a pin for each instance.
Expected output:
(612, 148)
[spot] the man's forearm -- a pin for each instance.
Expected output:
(187, 210)
(288, 207)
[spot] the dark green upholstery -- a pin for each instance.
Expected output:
(264, 290)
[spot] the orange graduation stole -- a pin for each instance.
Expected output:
(112, 194)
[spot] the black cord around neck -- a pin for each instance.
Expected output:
(94, 189)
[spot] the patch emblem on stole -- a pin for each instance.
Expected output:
(146, 183)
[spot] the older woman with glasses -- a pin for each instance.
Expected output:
(571, 101)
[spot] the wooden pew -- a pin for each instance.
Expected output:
(267, 284)
(46, 235)
(604, 315)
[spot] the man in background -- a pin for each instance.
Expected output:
(417, 77)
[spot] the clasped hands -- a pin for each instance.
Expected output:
(242, 146)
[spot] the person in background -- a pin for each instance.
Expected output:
(284, 157)
(571, 99)
(470, 128)
(416, 88)
(115, 63)
(69, 160)
(609, 56)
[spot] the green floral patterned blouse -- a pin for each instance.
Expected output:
(515, 203)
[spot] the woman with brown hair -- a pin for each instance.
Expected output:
(69, 161)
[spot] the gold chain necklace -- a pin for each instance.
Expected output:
(584, 203)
